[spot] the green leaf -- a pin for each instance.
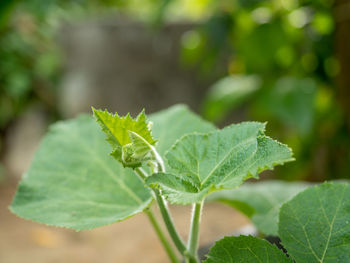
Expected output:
(314, 226)
(118, 135)
(245, 249)
(260, 201)
(171, 124)
(227, 94)
(74, 183)
(292, 102)
(222, 159)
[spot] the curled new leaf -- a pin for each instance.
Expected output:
(121, 133)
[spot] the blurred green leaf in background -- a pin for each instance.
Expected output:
(227, 94)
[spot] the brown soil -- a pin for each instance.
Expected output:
(129, 241)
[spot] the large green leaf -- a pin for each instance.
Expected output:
(260, 201)
(74, 183)
(171, 124)
(245, 249)
(223, 159)
(314, 226)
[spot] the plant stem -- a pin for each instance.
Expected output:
(169, 250)
(194, 230)
(180, 245)
(141, 173)
(168, 221)
(159, 160)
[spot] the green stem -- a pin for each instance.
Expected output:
(159, 160)
(168, 221)
(141, 173)
(180, 245)
(169, 250)
(194, 230)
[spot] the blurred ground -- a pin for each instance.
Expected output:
(129, 241)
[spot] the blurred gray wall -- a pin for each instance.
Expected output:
(125, 66)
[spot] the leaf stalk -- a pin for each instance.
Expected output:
(169, 250)
(168, 221)
(194, 231)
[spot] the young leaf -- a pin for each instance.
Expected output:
(222, 159)
(260, 201)
(245, 249)
(74, 183)
(171, 124)
(315, 225)
(118, 135)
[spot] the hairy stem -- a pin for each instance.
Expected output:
(159, 160)
(168, 221)
(194, 230)
(169, 250)
(140, 172)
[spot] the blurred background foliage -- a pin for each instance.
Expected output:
(280, 56)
